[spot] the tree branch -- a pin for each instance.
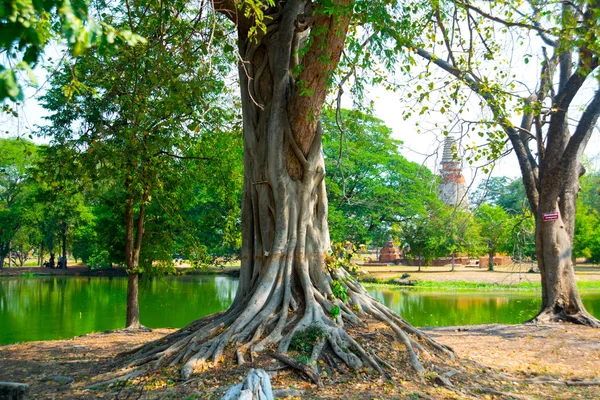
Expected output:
(527, 169)
(502, 21)
(230, 9)
(582, 134)
(572, 86)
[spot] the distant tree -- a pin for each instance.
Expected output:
(458, 233)
(590, 189)
(372, 189)
(504, 192)
(494, 229)
(420, 238)
(586, 241)
(16, 160)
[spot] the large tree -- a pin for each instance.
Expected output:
(131, 119)
(16, 190)
(563, 36)
(289, 51)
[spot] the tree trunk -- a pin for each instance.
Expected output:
(64, 244)
(133, 309)
(134, 232)
(554, 245)
(41, 256)
(491, 255)
(22, 256)
(452, 263)
(286, 284)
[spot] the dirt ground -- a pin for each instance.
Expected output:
(494, 362)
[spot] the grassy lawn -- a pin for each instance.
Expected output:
(463, 285)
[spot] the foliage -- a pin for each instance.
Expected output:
(372, 188)
(586, 241)
(341, 256)
(494, 229)
(16, 189)
(303, 341)
(140, 152)
(502, 191)
(339, 291)
(27, 26)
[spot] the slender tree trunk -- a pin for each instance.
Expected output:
(452, 263)
(64, 244)
(22, 256)
(491, 255)
(134, 232)
(133, 309)
(41, 256)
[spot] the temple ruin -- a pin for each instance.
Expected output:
(453, 189)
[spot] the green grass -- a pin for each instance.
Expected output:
(462, 285)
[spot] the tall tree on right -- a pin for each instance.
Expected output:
(548, 151)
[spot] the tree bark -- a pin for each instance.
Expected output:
(134, 232)
(491, 255)
(286, 284)
(133, 309)
(4, 249)
(64, 244)
(561, 301)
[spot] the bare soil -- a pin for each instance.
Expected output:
(494, 362)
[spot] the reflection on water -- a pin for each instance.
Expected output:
(61, 307)
(429, 308)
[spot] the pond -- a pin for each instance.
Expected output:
(45, 308)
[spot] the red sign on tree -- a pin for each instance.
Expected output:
(551, 216)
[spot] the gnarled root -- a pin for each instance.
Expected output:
(555, 315)
(253, 329)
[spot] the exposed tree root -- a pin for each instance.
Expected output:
(286, 285)
(553, 315)
(204, 341)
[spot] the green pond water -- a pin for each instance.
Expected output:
(44, 308)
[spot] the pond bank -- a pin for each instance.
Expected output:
(506, 277)
(75, 270)
(508, 361)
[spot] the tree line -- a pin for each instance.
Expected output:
(374, 195)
